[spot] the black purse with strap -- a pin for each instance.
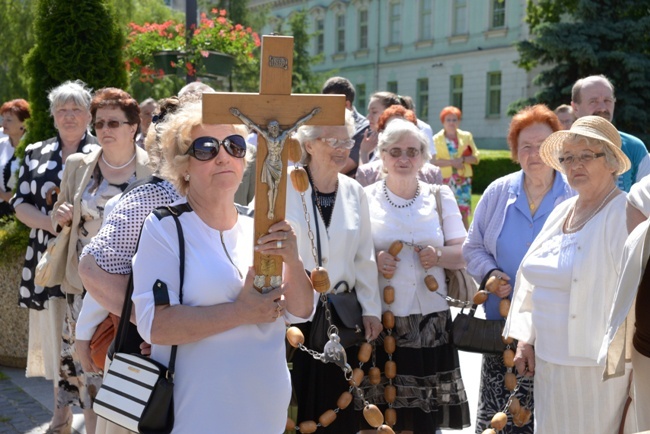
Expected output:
(344, 311)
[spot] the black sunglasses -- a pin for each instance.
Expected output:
(206, 148)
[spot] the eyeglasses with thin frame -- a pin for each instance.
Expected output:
(584, 158)
(99, 125)
(397, 152)
(338, 143)
(206, 148)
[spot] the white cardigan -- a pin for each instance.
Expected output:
(347, 248)
(616, 347)
(595, 271)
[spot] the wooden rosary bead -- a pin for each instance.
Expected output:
(504, 307)
(291, 425)
(320, 280)
(510, 381)
(509, 358)
(390, 416)
(387, 276)
(395, 248)
(390, 393)
(373, 415)
(357, 377)
(299, 179)
(327, 418)
(507, 340)
(308, 427)
(499, 421)
(481, 296)
(515, 406)
(295, 152)
(389, 344)
(295, 337)
(344, 400)
(374, 375)
(389, 294)
(388, 319)
(494, 282)
(385, 429)
(522, 417)
(431, 283)
(390, 369)
(365, 351)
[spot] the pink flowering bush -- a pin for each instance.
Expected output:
(214, 32)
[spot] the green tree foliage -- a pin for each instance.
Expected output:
(74, 40)
(304, 79)
(17, 38)
(577, 38)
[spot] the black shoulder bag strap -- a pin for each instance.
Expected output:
(128, 302)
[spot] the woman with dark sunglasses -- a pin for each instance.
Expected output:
(338, 205)
(230, 366)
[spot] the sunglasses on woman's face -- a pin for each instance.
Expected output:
(206, 148)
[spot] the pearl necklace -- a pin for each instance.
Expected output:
(569, 221)
(118, 167)
(407, 204)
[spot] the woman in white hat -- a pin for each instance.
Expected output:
(566, 283)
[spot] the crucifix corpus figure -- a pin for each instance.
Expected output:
(275, 138)
(272, 113)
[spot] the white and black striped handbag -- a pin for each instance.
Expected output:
(137, 391)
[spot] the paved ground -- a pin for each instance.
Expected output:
(26, 403)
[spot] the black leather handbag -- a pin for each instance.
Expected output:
(346, 315)
(478, 335)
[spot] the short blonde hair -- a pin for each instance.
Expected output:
(175, 140)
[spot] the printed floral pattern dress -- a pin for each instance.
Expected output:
(459, 184)
(39, 177)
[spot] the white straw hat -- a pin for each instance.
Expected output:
(591, 127)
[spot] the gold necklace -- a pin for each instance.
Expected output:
(531, 200)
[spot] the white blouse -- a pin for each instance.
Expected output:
(419, 224)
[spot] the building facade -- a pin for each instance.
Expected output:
(439, 52)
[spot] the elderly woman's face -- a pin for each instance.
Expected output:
(528, 143)
(450, 123)
(585, 166)
(112, 129)
(223, 172)
(404, 157)
(331, 149)
(71, 120)
(11, 125)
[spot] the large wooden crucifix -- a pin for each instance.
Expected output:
(274, 114)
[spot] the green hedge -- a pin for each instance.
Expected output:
(14, 237)
(493, 165)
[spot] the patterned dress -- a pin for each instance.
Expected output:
(459, 184)
(39, 174)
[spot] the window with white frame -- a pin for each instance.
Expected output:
(422, 104)
(425, 28)
(319, 42)
(498, 16)
(340, 33)
(363, 29)
(459, 13)
(493, 102)
(391, 86)
(456, 91)
(395, 23)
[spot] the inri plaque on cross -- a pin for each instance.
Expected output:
(274, 114)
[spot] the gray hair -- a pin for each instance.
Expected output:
(71, 91)
(601, 146)
(399, 128)
(309, 133)
(176, 138)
